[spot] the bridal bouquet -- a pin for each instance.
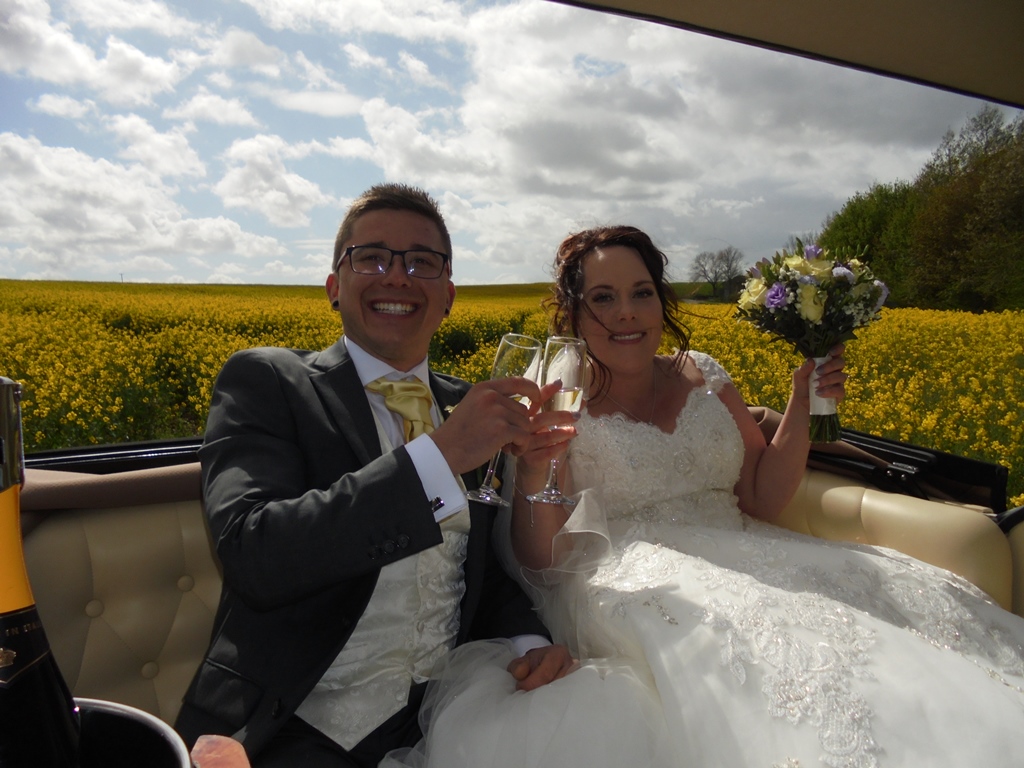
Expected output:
(814, 301)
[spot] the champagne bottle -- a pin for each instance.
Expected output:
(39, 723)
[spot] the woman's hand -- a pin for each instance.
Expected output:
(550, 434)
(831, 377)
(532, 535)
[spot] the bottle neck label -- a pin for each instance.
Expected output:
(22, 644)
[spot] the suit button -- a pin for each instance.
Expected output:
(403, 541)
(389, 547)
(374, 553)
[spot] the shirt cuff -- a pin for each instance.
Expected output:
(524, 643)
(441, 486)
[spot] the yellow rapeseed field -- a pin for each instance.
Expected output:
(104, 363)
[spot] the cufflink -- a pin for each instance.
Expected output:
(436, 503)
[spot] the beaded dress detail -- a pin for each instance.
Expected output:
(748, 645)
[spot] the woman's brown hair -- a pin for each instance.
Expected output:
(567, 299)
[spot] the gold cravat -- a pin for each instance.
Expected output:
(409, 399)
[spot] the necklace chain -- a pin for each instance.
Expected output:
(654, 402)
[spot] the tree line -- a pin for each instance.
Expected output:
(954, 237)
(951, 239)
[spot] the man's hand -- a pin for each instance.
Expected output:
(541, 666)
(488, 419)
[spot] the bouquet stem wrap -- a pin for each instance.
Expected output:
(824, 418)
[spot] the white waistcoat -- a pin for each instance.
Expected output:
(411, 622)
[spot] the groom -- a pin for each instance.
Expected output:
(334, 483)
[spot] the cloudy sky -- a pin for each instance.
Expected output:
(221, 140)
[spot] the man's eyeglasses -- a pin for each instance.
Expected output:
(376, 260)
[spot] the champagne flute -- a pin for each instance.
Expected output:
(517, 355)
(565, 358)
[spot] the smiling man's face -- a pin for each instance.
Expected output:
(392, 316)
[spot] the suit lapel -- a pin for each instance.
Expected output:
(344, 399)
(446, 395)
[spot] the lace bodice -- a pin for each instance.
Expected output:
(646, 475)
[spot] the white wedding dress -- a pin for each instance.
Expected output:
(711, 639)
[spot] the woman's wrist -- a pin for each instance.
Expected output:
(520, 489)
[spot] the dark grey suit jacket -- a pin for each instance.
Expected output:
(305, 510)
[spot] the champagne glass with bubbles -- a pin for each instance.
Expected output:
(565, 359)
(517, 355)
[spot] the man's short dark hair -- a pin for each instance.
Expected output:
(390, 197)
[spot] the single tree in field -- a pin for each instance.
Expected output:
(718, 269)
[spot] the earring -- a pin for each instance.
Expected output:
(334, 303)
(447, 311)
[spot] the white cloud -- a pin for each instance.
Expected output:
(321, 95)
(146, 265)
(258, 180)
(67, 215)
(166, 154)
(324, 103)
(221, 80)
(240, 48)
(361, 58)
(7, 263)
(129, 76)
(230, 273)
(419, 72)
(305, 271)
(315, 75)
(62, 106)
(33, 44)
(432, 20)
(354, 148)
(131, 14)
(212, 108)
(46, 51)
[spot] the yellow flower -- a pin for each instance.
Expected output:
(753, 294)
(945, 380)
(798, 264)
(810, 303)
(820, 268)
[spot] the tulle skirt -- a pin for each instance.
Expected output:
(602, 714)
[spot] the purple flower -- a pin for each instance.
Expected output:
(845, 274)
(776, 296)
(755, 270)
(811, 251)
(882, 296)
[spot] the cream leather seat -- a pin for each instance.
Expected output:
(127, 583)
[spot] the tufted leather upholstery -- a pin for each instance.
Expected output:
(126, 581)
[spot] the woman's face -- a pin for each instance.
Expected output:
(623, 327)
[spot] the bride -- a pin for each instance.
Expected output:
(708, 636)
